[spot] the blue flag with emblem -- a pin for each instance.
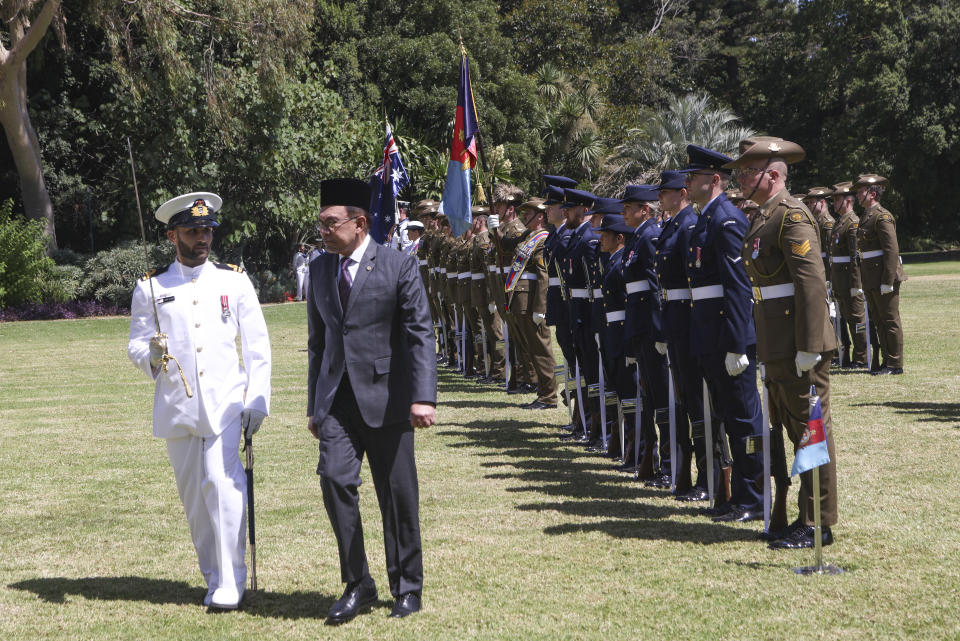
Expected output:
(385, 184)
(812, 449)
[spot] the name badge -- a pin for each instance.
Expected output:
(165, 299)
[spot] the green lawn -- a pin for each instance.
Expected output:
(524, 537)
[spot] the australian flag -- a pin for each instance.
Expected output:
(463, 155)
(385, 184)
(812, 449)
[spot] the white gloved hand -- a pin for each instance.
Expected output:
(833, 309)
(250, 421)
(828, 286)
(854, 292)
(538, 318)
(886, 289)
(661, 348)
(806, 360)
(158, 347)
(736, 363)
(630, 360)
(492, 307)
(493, 221)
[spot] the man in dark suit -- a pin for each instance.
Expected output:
(372, 379)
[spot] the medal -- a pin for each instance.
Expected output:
(224, 307)
(698, 262)
(756, 248)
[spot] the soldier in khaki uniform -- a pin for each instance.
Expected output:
(781, 253)
(526, 290)
(460, 296)
(880, 270)
(845, 275)
(816, 202)
(506, 232)
(480, 296)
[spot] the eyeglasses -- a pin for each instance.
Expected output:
(328, 226)
(750, 171)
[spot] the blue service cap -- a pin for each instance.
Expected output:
(639, 193)
(615, 224)
(672, 179)
(553, 195)
(577, 197)
(700, 158)
(560, 181)
(606, 206)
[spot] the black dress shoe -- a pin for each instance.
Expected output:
(519, 389)
(357, 598)
(802, 538)
(406, 605)
(780, 534)
(739, 514)
(539, 405)
(855, 365)
(627, 467)
(717, 510)
(692, 495)
(887, 370)
(660, 481)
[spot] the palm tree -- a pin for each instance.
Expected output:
(567, 120)
(660, 140)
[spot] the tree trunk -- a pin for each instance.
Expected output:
(15, 118)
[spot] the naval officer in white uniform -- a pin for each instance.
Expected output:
(202, 306)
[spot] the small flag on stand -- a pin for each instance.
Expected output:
(388, 181)
(812, 450)
(463, 155)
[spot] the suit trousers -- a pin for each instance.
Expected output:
(344, 437)
(213, 489)
(885, 313)
(737, 403)
(790, 396)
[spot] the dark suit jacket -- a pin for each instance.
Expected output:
(383, 341)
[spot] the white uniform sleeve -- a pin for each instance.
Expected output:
(255, 345)
(142, 329)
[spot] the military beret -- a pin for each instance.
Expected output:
(700, 158)
(843, 189)
(196, 209)
(615, 224)
(639, 193)
(868, 180)
(577, 197)
(672, 179)
(606, 206)
(347, 192)
(761, 147)
(819, 192)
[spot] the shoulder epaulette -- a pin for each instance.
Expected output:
(229, 266)
(154, 272)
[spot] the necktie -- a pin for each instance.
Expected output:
(345, 281)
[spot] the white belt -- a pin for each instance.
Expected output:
(554, 282)
(491, 268)
(823, 254)
(526, 276)
(451, 275)
(613, 317)
(442, 270)
(775, 291)
(463, 275)
(708, 291)
(676, 294)
(579, 293)
(638, 286)
(422, 262)
(839, 259)
(876, 253)
(476, 276)
(598, 292)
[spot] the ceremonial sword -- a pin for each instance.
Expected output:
(167, 357)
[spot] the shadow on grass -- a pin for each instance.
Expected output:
(261, 603)
(585, 486)
(922, 412)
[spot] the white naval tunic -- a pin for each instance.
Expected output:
(202, 310)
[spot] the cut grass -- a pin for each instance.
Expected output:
(524, 537)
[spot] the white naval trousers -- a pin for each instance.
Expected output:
(213, 489)
(303, 282)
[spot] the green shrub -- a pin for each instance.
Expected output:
(23, 260)
(272, 288)
(60, 283)
(110, 276)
